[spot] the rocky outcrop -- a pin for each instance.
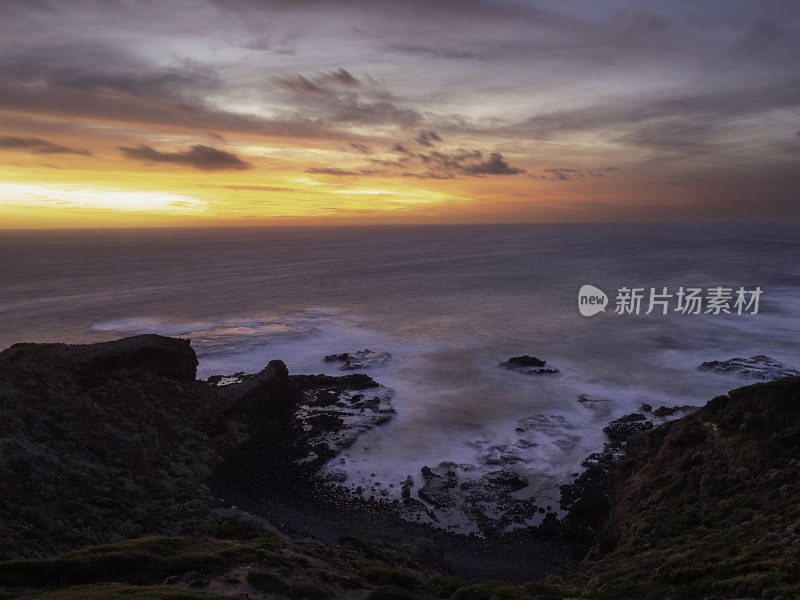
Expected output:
(529, 365)
(155, 354)
(90, 434)
(461, 498)
(619, 430)
(335, 411)
(362, 359)
(268, 394)
(758, 367)
(663, 412)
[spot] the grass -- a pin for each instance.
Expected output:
(140, 561)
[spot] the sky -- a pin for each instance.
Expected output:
(242, 112)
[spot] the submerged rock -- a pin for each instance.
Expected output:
(760, 367)
(597, 404)
(529, 365)
(362, 359)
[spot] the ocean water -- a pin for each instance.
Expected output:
(449, 303)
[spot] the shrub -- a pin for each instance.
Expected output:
(265, 581)
(390, 592)
(306, 590)
(389, 576)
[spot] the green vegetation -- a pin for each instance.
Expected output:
(390, 592)
(388, 576)
(711, 512)
(114, 591)
(144, 560)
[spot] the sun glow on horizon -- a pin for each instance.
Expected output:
(288, 113)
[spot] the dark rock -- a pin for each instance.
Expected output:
(507, 480)
(630, 418)
(438, 484)
(760, 367)
(646, 407)
(523, 361)
(529, 365)
(268, 394)
(668, 411)
(362, 359)
(155, 354)
(623, 428)
(405, 488)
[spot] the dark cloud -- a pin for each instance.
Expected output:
(344, 172)
(428, 175)
(330, 171)
(363, 148)
(333, 99)
(560, 175)
(425, 137)
(435, 165)
(154, 111)
(495, 165)
(567, 174)
(320, 84)
(342, 77)
(602, 172)
(200, 157)
(403, 150)
(70, 82)
(38, 146)
(302, 85)
(666, 122)
(76, 67)
(341, 172)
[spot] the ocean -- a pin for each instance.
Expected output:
(448, 303)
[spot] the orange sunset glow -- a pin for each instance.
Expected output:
(315, 113)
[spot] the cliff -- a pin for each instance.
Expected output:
(121, 476)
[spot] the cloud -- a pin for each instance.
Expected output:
(341, 77)
(301, 85)
(495, 165)
(567, 174)
(200, 157)
(562, 174)
(318, 84)
(601, 172)
(254, 188)
(668, 122)
(363, 148)
(342, 172)
(76, 67)
(433, 165)
(38, 146)
(425, 138)
(67, 81)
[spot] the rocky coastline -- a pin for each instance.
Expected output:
(109, 442)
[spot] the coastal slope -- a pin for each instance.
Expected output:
(125, 477)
